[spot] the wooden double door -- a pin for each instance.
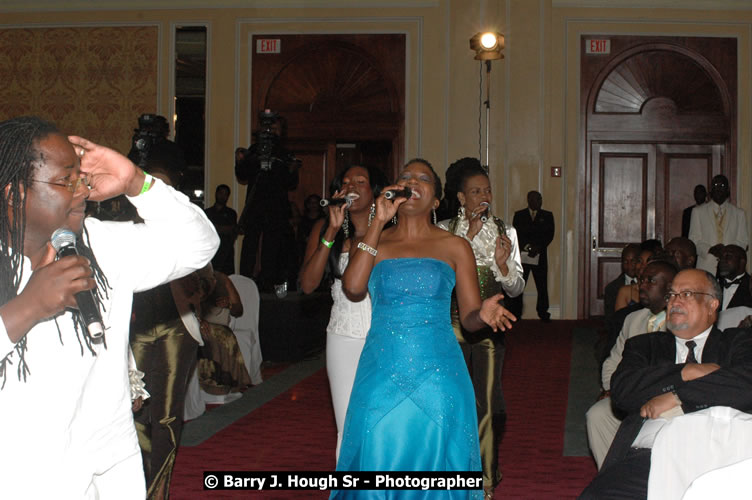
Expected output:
(658, 118)
(638, 192)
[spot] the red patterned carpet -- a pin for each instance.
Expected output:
(296, 430)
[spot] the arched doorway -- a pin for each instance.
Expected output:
(342, 98)
(659, 117)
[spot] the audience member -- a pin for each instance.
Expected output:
(733, 276)
(602, 421)
(701, 196)
(690, 367)
(66, 406)
(225, 221)
(715, 224)
(630, 294)
(738, 316)
(683, 251)
(535, 228)
(630, 258)
(221, 368)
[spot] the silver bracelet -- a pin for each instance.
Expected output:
(368, 248)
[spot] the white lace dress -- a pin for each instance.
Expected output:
(345, 336)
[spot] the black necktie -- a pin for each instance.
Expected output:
(691, 354)
(727, 284)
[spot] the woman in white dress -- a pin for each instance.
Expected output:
(328, 249)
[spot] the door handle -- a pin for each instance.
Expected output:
(598, 249)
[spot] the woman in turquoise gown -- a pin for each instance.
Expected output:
(412, 406)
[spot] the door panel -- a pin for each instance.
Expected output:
(639, 192)
(622, 204)
(684, 167)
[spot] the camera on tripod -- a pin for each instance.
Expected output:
(151, 130)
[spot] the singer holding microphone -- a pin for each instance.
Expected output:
(412, 406)
(65, 412)
(499, 270)
(328, 250)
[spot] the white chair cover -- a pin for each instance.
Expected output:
(730, 483)
(245, 327)
(693, 444)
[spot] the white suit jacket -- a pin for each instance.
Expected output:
(702, 231)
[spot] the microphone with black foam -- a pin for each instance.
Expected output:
(392, 194)
(64, 242)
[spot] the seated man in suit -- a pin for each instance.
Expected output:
(732, 272)
(684, 252)
(690, 367)
(630, 256)
(602, 422)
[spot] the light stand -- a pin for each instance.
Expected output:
(487, 47)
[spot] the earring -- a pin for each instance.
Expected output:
(434, 216)
(394, 219)
(371, 214)
(346, 224)
(461, 211)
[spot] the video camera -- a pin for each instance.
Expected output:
(267, 148)
(151, 130)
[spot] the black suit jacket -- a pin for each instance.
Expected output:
(538, 232)
(648, 369)
(742, 296)
(609, 296)
(686, 219)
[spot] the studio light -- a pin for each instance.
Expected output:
(487, 45)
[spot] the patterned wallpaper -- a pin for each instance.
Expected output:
(92, 82)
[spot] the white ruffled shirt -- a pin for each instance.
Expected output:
(484, 246)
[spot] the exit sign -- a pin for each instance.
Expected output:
(597, 46)
(268, 46)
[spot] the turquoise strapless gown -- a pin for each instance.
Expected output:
(412, 406)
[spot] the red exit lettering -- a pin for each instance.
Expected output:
(268, 46)
(597, 46)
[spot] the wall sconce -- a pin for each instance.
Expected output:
(487, 45)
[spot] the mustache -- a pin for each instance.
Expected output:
(677, 309)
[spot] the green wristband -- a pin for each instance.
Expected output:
(147, 183)
(327, 244)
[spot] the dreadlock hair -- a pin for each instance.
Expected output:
(377, 180)
(19, 156)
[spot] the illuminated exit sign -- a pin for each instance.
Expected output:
(268, 46)
(597, 46)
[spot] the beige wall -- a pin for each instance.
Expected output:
(534, 90)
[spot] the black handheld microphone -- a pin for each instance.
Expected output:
(64, 242)
(335, 202)
(398, 193)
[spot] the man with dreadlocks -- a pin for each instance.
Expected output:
(66, 425)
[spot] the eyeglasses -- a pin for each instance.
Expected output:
(72, 185)
(686, 294)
